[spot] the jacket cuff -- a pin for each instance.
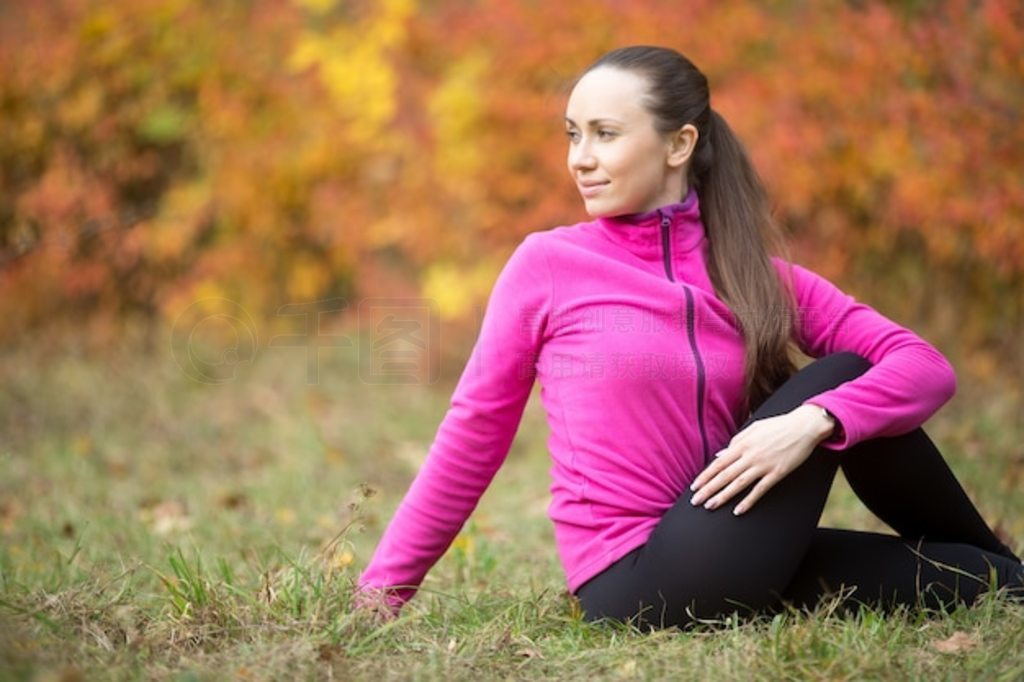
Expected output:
(841, 437)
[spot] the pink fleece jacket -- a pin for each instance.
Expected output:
(641, 373)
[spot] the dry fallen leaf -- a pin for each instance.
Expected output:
(955, 643)
(165, 517)
(285, 516)
(628, 668)
(10, 510)
(232, 500)
(503, 640)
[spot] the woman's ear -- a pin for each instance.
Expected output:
(681, 145)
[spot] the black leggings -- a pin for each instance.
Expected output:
(701, 564)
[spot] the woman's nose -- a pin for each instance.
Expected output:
(580, 156)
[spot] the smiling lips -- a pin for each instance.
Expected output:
(590, 189)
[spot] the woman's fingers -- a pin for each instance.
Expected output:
(727, 476)
(709, 480)
(736, 485)
(763, 486)
(723, 459)
(762, 454)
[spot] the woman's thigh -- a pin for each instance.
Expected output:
(701, 563)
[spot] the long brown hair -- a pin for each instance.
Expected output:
(734, 207)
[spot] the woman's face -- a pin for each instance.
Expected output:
(621, 164)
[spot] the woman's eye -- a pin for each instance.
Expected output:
(572, 134)
(606, 134)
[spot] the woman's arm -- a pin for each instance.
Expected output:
(475, 435)
(908, 381)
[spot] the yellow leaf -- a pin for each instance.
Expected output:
(455, 289)
(307, 52)
(464, 543)
(209, 295)
(317, 6)
(445, 285)
(342, 559)
(456, 109)
(306, 279)
(355, 67)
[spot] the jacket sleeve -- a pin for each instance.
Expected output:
(473, 438)
(909, 379)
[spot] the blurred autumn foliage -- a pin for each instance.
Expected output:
(154, 153)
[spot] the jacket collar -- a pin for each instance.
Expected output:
(641, 233)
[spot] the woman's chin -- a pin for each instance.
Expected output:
(598, 209)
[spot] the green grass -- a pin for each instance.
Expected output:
(152, 527)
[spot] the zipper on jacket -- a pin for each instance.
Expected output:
(691, 331)
(666, 244)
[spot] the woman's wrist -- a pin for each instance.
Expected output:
(820, 422)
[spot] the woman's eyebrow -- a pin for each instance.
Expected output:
(594, 122)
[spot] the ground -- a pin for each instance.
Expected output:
(156, 527)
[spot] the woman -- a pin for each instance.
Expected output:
(690, 460)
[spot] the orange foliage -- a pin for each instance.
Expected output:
(279, 151)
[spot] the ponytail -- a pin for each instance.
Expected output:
(741, 233)
(735, 210)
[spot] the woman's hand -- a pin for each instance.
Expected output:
(374, 606)
(764, 452)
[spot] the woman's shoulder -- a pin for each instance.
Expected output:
(564, 232)
(569, 236)
(553, 241)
